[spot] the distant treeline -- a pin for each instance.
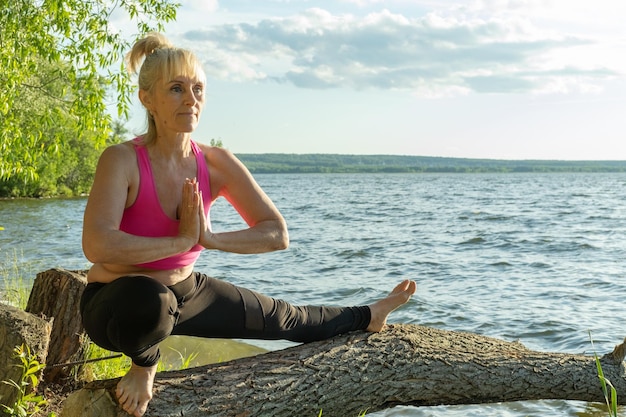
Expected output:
(337, 163)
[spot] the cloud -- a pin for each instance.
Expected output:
(446, 52)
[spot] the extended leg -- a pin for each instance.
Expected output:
(220, 309)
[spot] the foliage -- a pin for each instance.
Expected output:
(57, 65)
(610, 399)
(69, 172)
(68, 168)
(28, 402)
(339, 163)
(217, 143)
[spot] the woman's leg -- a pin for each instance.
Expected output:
(130, 315)
(220, 309)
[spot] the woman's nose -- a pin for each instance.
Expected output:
(190, 98)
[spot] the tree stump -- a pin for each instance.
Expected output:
(16, 328)
(56, 294)
(345, 375)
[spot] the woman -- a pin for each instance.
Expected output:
(146, 222)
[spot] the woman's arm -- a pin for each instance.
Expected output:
(103, 242)
(230, 179)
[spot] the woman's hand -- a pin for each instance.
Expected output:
(208, 239)
(191, 222)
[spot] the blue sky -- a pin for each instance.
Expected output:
(506, 79)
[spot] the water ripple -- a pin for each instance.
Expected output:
(529, 257)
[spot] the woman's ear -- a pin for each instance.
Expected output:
(146, 100)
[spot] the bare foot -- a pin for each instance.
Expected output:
(134, 391)
(381, 308)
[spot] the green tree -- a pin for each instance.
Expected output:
(216, 142)
(57, 64)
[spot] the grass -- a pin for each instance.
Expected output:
(610, 395)
(15, 290)
(114, 366)
(360, 415)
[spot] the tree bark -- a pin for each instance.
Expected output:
(343, 376)
(56, 294)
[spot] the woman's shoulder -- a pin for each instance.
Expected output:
(118, 154)
(218, 156)
(225, 168)
(120, 150)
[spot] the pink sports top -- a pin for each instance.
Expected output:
(145, 217)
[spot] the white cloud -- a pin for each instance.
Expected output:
(438, 51)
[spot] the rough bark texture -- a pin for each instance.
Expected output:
(16, 328)
(405, 364)
(56, 293)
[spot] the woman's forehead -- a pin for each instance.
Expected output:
(194, 79)
(183, 70)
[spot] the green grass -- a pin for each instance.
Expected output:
(363, 413)
(609, 391)
(112, 365)
(15, 288)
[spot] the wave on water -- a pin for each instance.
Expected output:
(529, 257)
(473, 241)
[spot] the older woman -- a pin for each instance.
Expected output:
(146, 222)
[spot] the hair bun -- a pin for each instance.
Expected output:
(145, 46)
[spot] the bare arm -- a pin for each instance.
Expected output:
(267, 229)
(103, 242)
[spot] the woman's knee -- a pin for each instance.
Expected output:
(146, 303)
(131, 313)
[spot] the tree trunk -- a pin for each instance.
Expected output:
(56, 294)
(343, 376)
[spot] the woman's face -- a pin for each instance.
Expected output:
(175, 104)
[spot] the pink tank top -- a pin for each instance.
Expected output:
(145, 217)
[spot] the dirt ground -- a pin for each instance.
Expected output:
(54, 395)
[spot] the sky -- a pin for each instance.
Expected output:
(496, 79)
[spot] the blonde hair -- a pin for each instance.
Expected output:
(161, 61)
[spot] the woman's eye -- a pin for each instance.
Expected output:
(177, 89)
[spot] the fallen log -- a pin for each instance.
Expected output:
(343, 376)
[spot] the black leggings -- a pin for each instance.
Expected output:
(134, 313)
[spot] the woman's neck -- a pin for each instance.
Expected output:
(178, 145)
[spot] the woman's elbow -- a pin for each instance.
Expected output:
(90, 254)
(92, 250)
(283, 240)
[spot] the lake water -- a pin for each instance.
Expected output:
(537, 258)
